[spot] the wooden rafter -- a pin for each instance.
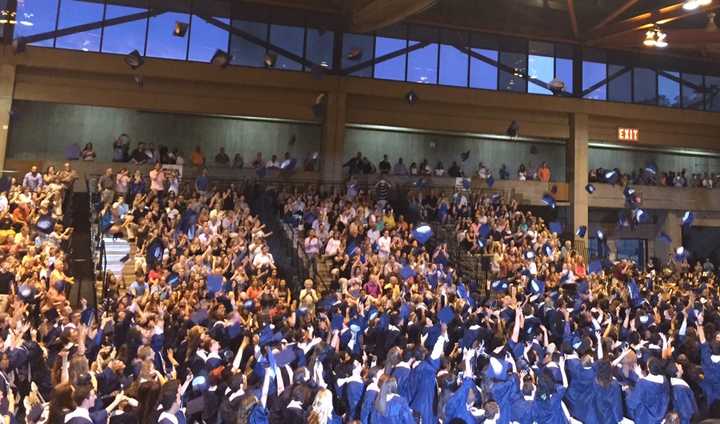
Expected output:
(617, 12)
(573, 18)
(377, 14)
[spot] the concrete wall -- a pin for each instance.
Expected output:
(414, 147)
(628, 160)
(42, 130)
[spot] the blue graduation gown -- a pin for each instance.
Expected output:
(397, 412)
(367, 403)
(353, 391)
(549, 411)
(259, 415)
(648, 401)
(522, 411)
(505, 393)
(456, 406)
(683, 400)
(606, 406)
(711, 383)
(402, 374)
(579, 392)
(423, 380)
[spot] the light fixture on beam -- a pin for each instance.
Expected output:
(655, 38)
(270, 59)
(134, 60)
(694, 4)
(556, 86)
(7, 17)
(220, 58)
(180, 29)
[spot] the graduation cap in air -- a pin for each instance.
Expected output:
(214, 283)
(288, 164)
(651, 168)
(590, 188)
(249, 305)
(688, 218)
(411, 97)
(612, 176)
(466, 183)
(497, 369)
(496, 198)
(446, 315)
(465, 155)
(556, 227)
(640, 216)
(549, 200)
(664, 238)
(581, 231)
(595, 266)
(45, 224)
(600, 235)
(681, 253)
(490, 181)
(422, 233)
(26, 292)
(499, 285)
(628, 192)
(530, 255)
(537, 286)
(200, 384)
(622, 219)
(173, 279)
(268, 337)
(406, 272)
(481, 242)
(420, 183)
(633, 290)
(547, 249)
(470, 335)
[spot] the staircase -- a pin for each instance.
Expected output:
(116, 250)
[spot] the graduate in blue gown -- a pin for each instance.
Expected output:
(423, 381)
(548, 406)
(368, 400)
(352, 389)
(683, 399)
(460, 406)
(389, 407)
(710, 362)
(648, 402)
(606, 406)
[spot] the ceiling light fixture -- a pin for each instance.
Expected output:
(694, 4)
(655, 38)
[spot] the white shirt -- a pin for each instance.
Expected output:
(168, 416)
(78, 413)
(262, 259)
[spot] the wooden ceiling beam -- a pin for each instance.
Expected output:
(617, 12)
(378, 14)
(573, 18)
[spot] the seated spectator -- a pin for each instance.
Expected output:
(33, 180)
(384, 165)
(366, 166)
(222, 158)
(258, 162)
(197, 158)
(354, 164)
(455, 171)
(238, 161)
(504, 173)
(121, 148)
(522, 173)
(273, 163)
(138, 155)
(87, 152)
(414, 169)
(400, 169)
(179, 159)
(439, 170)
(424, 168)
(483, 171)
(543, 173)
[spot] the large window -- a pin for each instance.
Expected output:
(319, 48)
(691, 91)
(292, 39)
(453, 62)
(512, 75)
(541, 66)
(124, 38)
(244, 52)
(206, 39)
(356, 49)
(77, 12)
(483, 63)
(594, 73)
(36, 17)
(386, 42)
(712, 94)
(619, 87)
(645, 86)
(423, 62)
(669, 89)
(564, 72)
(162, 41)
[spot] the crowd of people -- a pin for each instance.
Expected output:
(651, 176)
(209, 330)
(361, 165)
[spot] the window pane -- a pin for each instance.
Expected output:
(593, 73)
(453, 66)
(620, 88)
(206, 39)
(244, 52)
(126, 37)
(161, 40)
(692, 91)
(669, 89)
(422, 64)
(360, 43)
(78, 12)
(393, 69)
(36, 17)
(712, 93)
(319, 49)
(482, 74)
(513, 81)
(564, 72)
(645, 86)
(291, 39)
(541, 68)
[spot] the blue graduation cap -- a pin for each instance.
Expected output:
(26, 292)
(466, 183)
(556, 227)
(422, 233)
(285, 357)
(337, 322)
(530, 255)
(595, 266)
(581, 231)
(628, 192)
(406, 272)
(214, 283)
(288, 164)
(496, 198)
(622, 219)
(590, 188)
(446, 315)
(497, 369)
(537, 286)
(681, 253)
(688, 218)
(200, 383)
(583, 287)
(633, 289)
(612, 177)
(173, 279)
(664, 237)
(499, 285)
(641, 216)
(45, 224)
(549, 200)
(465, 155)
(268, 337)
(651, 168)
(547, 249)
(490, 181)
(484, 230)
(249, 305)
(469, 337)
(600, 235)
(463, 293)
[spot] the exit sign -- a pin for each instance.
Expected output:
(629, 134)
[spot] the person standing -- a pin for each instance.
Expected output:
(157, 181)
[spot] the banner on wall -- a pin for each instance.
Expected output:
(176, 168)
